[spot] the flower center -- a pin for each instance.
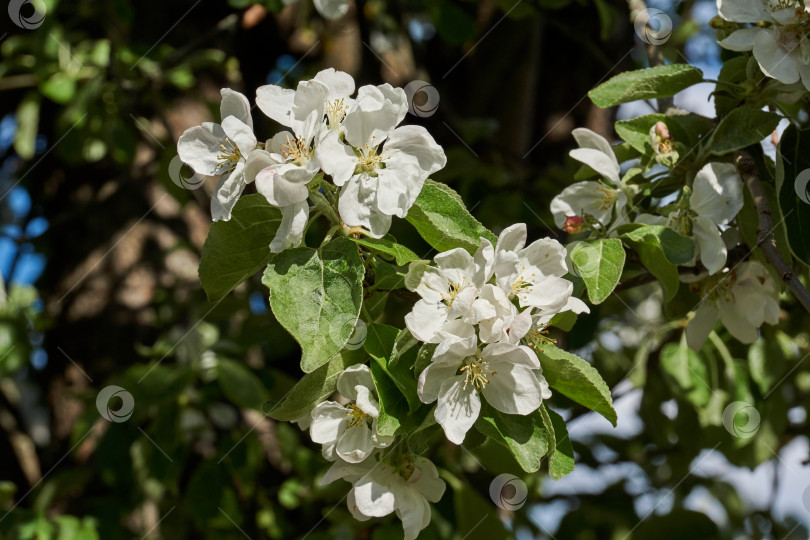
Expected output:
(335, 113)
(297, 150)
(523, 283)
(229, 155)
(356, 416)
(608, 198)
(369, 160)
(452, 292)
(476, 372)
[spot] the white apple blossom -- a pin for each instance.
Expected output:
(778, 39)
(448, 291)
(382, 168)
(349, 431)
(222, 149)
(597, 199)
(743, 300)
(405, 487)
(716, 199)
(509, 377)
(328, 9)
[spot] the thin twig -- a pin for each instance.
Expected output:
(765, 239)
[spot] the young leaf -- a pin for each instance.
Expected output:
(236, 249)
(314, 387)
(576, 379)
(793, 189)
(316, 295)
(661, 249)
(654, 82)
(688, 371)
(379, 344)
(600, 264)
(561, 452)
(240, 385)
(442, 219)
(395, 417)
(740, 128)
(388, 247)
(525, 436)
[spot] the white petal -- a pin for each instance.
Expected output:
(512, 238)
(256, 161)
(397, 96)
(398, 186)
(710, 244)
(428, 482)
(547, 255)
(276, 102)
(357, 206)
(352, 377)
(605, 165)
(578, 198)
(700, 326)
(549, 293)
(512, 354)
(355, 512)
(774, 60)
(431, 379)
(736, 323)
(370, 119)
(328, 422)
(484, 259)
(355, 444)
(240, 134)
(462, 302)
(455, 349)
(277, 190)
(291, 230)
(235, 104)
(414, 511)
(308, 109)
(513, 389)
(743, 11)
(740, 40)
(426, 319)
(458, 409)
(336, 159)
(717, 192)
(199, 146)
(350, 471)
(366, 401)
(340, 83)
(590, 139)
(416, 142)
(373, 498)
(227, 193)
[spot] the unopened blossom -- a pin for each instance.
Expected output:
(663, 145)
(715, 200)
(381, 486)
(573, 225)
(381, 168)
(507, 375)
(349, 431)
(222, 149)
(778, 39)
(743, 300)
(601, 200)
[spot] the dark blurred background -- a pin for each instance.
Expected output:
(99, 248)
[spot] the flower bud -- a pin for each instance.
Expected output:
(573, 224)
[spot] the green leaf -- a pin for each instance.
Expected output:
(379, 344)
(561, 461)
(661, 249)
(387, 246)
(576, 379)
(314, 387)
(240, 385)
(395, 417)
(636, 131)
(476, 516)
(59, 87)
(236, 249)
(654, 82)
(793, 189)
(688, 371)
(27, 126)
(524, 436)
(742, 127)
(600, 264)
(442, 219)
(316, 295)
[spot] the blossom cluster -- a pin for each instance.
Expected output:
(483, 311)
(378, 167)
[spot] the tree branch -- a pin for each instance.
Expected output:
(765, 240)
